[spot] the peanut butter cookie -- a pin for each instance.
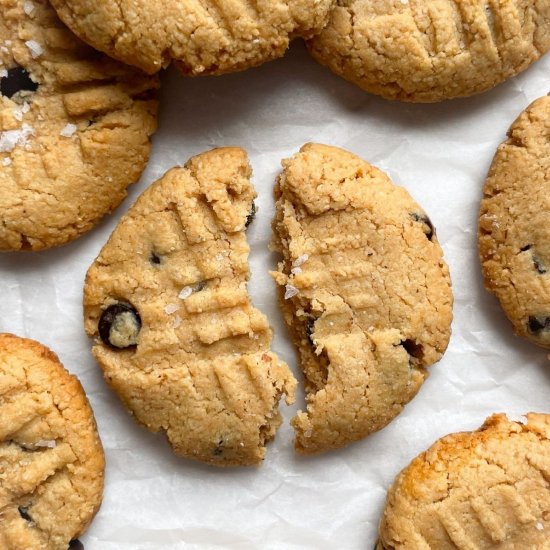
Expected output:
(51, 458)
(74, 129)
(364, 290)
(174, 331)
(431, 50)
(482, 490)
(514, 224)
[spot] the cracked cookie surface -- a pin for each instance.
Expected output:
(432, 50)
(364, 290)
(174, 331)
(51, 458)
(514, 224)
(200, 36)
(75, 129)
(482, 490)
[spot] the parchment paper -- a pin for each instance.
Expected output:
(441, 154)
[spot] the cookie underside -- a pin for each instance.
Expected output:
(200, 368)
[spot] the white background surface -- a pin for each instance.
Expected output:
(441, 154)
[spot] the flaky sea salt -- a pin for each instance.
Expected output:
(49, 443)
(290, 291)
(296, 270)
(300, 260)
(20, 111)
(28, 7)
(6, 161)
(3, 73)
(177, 321)
(68, 131)
(539, 526)
(185, 292)
(11, 138)
(171, 308)
(519, 418)
(36, 49)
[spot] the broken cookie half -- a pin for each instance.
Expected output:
(364, 290)
(174, 331)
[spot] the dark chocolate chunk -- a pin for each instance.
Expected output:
(119, 326)
(218, 451)
(412, 348)
(24, 513)
(251, 216)
(538, 323)
(75, 544)
(199, 286)
(154, 259)
(537, 262)
(539, 266)
(422, 218)
(18, 80)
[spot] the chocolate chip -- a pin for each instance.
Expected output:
(539, 266)
(310, 329)
(537, 262)
(218, 451)
(18, 80)
(538, 323)
(412, 348)
(24, 513)
(154, 259)
(199, 286)
(251, 216)
(429, 229)
(119, 326)
(75, 544)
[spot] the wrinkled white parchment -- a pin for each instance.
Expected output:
(441, 154)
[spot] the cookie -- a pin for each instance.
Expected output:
(51, 458)
(201, 36)
(364, 290)
(75, 129)
(481, 490)
(514, 224)
(432, 50)
(174, 331)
